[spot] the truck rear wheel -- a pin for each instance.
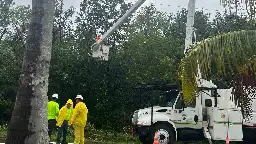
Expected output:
(165, 133)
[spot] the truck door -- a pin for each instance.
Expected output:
(184, 115)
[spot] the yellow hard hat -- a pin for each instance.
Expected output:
(70, 102)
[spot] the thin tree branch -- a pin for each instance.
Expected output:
(3, 33)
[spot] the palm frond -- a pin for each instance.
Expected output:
(223, 55)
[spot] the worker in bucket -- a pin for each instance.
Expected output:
(79, 119)
(53, 111)
(63, 121)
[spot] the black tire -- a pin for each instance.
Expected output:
(163, 129)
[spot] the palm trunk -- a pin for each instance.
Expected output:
(29, 123)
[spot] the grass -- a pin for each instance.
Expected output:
(94, 136)
(3, 132)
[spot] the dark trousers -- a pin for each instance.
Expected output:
(51, 126)
(63, 130)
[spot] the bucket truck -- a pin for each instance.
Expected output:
(207, 118)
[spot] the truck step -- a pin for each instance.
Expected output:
(206, 133)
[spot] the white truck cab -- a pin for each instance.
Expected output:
(206, 118)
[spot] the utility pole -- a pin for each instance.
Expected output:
(189, 42)
(190, 29)
(190, 24)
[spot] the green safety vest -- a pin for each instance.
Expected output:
(53, 110)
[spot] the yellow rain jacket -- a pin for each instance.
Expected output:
(79, 117)
(65, 114)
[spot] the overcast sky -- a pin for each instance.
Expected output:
(164, 5)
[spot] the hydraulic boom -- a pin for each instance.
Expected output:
(121, 20)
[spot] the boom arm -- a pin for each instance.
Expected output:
(121, 20)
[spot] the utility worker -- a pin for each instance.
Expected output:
(63, 121)
(53, 111)
(79, 119)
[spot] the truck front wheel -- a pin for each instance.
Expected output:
(164, 133)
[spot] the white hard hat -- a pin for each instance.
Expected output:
(79, 97)
(55, 96)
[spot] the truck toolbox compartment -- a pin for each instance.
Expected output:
(226, 122)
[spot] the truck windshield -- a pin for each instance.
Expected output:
(170, 97)
(180, 102)
(163, 95)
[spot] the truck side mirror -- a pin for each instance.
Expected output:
(208, 103)
(196, 118)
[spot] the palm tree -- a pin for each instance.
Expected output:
(29, 123)
(231, 54)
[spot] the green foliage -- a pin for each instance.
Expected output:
(154, 50)
(111, 136)
(149, 21)
(239, 5)
(5, 16)
(231, 22)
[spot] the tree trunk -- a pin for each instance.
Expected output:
(29, 123)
